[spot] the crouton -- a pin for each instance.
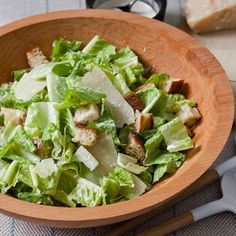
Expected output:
(173, 85)
(144, 86)
(134, 101)
(135, 147)
(143, 121)
(188, 115)
(16, 115)
(86, 113)
(36, 57)
(85, 136)
(42, 150)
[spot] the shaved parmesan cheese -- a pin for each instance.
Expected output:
(105, 153)
(122, 111)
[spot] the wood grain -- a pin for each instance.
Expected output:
(169, 226)
(161, 47)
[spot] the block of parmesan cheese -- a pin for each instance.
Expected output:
(210, 15)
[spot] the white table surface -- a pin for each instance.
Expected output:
(219, 225)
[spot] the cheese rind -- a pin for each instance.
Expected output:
(207, 15)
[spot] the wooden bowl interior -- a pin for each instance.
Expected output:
(159, 47)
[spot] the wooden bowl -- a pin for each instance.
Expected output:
(160, 46)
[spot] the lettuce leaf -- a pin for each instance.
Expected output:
(99, 48)
(153, 99)
(158, 79)
(62, 46)
(39, 116)
(35, 197)
(175, 136)
(17, 74)
(152, 147)
(167, 163)
(87, 194)
(82, 96)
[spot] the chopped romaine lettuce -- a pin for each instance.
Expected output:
(175, 136)
(82, 97)
(87, 194)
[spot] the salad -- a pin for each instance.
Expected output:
(90, 127)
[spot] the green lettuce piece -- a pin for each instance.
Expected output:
(120, 84)
(83, 155)
(175, 136)
(39, 116)
(175, 101)
(8, 133)
(68, 121)
(56, 87)
(152, 147)
(62, 197)
(53, 134)
(87, 194)
(158, 121)
(153, 99)
(9, 100)
(158, 79)
(99, 48)
(122, 176)
(21, 139)
(68, 181)
(111, 188)
(63, 46)
(11, 173)
(165, 157)
(17, 74)
(159, 172)
(118, 183)
(117, 77)
(3, 169)
(83, 96)
(31, 157)
(125, 58)
(130, 77)
(130, 163)
(62, 68)
(167, 163)
(35, 197)
(146, 176)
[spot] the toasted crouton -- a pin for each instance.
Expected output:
(188, 115)
(36, 57)
(134, 101)
(86, 113)
(85, 136)
(42, 150)
(16, 115)
(143, 121)
(135, 147)
(173, 85)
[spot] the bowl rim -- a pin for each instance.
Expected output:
(87, 217)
